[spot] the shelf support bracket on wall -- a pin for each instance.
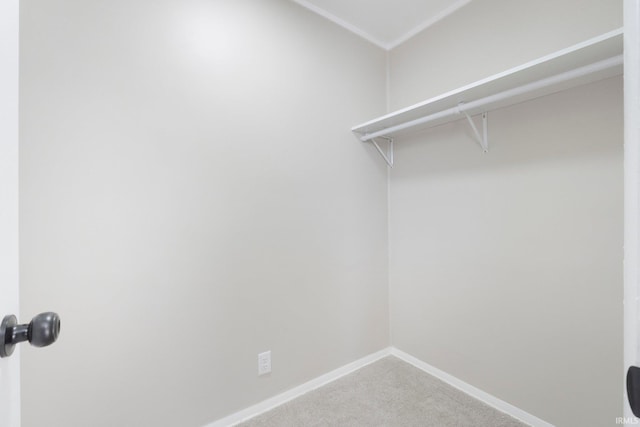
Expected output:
(484, 139)
(388, 156)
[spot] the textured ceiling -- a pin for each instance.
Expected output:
(386, 23)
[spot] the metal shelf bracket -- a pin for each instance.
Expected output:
(388, 156)
(484, 139)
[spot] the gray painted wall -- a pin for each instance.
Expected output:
(487, 37)
(191, 196)
(506, 267)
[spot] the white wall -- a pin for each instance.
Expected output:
(506, 267)
(190, 196)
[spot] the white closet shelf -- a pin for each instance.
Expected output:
(592, 60)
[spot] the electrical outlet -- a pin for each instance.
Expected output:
(264, 363)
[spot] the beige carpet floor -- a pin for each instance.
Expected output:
(389, 393)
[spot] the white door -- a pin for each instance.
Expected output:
(9, 367)
(632, 190)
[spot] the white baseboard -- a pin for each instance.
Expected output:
(472, 391)
(278, 400)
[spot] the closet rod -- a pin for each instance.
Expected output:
(501, 96)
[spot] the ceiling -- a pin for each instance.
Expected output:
(387, 23)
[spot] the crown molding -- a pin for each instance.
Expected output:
(344, 24)
(375, 40)
(426, 24)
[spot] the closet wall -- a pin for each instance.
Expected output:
(506, 267)
(191, 196)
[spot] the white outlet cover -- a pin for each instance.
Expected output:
(264, 363)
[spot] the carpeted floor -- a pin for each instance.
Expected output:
(389, 393)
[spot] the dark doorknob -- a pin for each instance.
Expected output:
(40, 332)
